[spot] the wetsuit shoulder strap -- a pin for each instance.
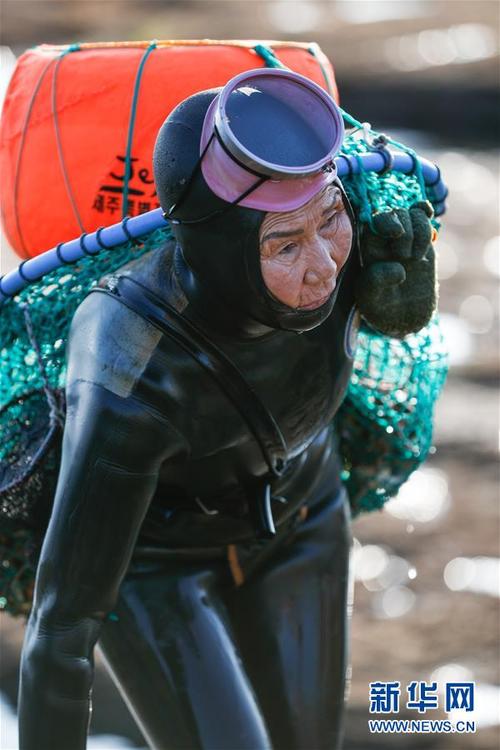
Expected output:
(193, 341)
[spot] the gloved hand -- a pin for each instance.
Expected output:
(397, 290)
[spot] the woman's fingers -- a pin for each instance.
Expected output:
(387, 224)
(384, 275)
(422, 231)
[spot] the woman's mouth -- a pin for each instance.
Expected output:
(316, 303)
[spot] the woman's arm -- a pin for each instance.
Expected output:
(113, 447)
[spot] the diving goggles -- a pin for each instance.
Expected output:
(268, 142)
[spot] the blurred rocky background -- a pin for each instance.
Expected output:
(427, 568)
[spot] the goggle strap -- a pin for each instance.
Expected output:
(232, 156)
(257, 184)
(220, 211)
(187, 187)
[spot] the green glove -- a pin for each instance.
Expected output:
(397, 290)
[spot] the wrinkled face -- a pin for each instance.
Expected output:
(302, 251)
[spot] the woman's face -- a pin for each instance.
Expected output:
(302, 251)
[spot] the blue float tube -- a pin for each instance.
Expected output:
(130, 228)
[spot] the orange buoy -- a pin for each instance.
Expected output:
(79, 125)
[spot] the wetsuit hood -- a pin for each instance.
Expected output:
(218, 260)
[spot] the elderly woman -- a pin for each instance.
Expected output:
(200, 530)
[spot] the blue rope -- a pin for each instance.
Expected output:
(418, 166)
(69, 190)
(131, 125)
(313, 50)
(20, 153)
(365, 213)
(272, 61)
(416, 161)
(350, 119)
(269, 57)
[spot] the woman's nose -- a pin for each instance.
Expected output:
(321, 265)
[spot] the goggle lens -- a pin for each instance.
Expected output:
(281, 122)
(268, 142)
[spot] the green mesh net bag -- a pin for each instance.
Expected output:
(384, 425)
(34, 328)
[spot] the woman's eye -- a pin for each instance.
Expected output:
(288, 249)
(330, 222)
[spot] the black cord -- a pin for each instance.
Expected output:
(99, 241)
(84, 249)
(349, 165)
(134, 240)
(21, 272)
(126, 232)
(388, 157)
(414, 162)
(437, 180)
(60, 258)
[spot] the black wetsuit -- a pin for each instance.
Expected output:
(152, 447)
(217, 640)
